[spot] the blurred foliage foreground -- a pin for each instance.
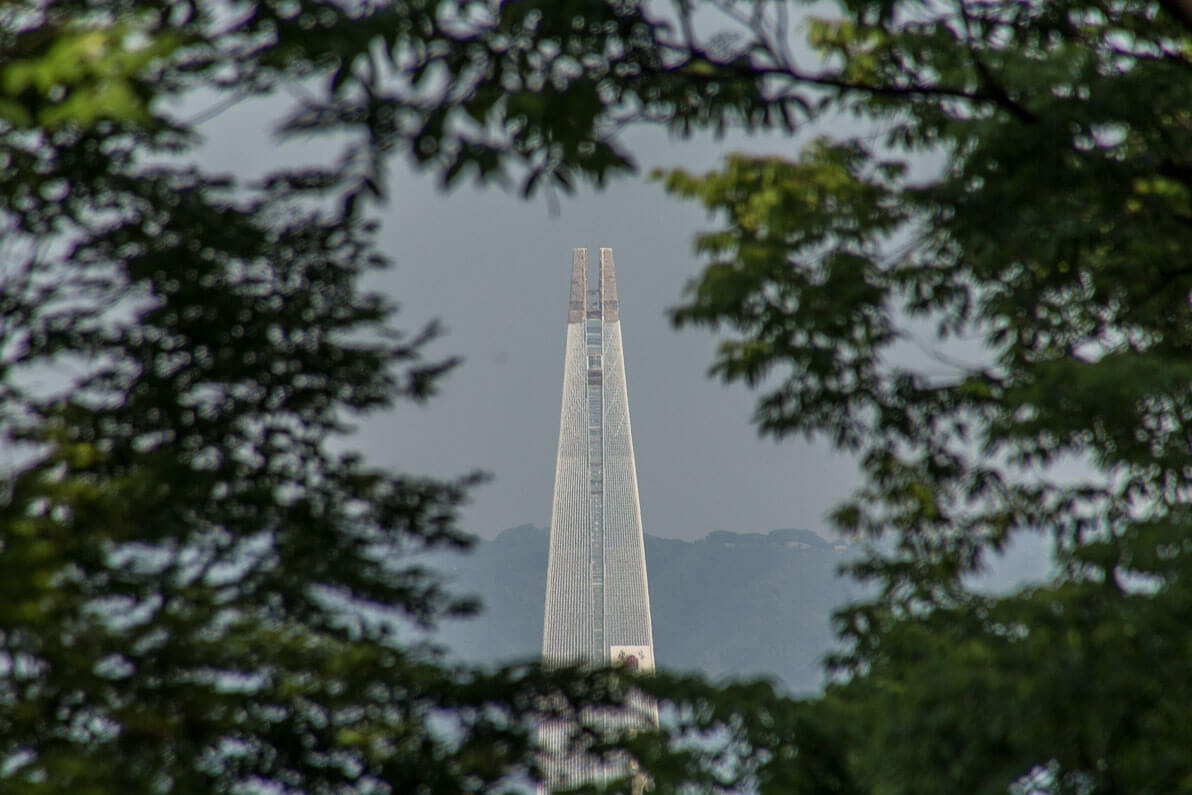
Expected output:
(199, 594)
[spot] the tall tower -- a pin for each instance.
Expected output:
(597, 598)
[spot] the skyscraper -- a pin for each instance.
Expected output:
(597, 598)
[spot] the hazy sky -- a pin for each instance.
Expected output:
(496, 271)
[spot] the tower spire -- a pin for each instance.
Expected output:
(597, 597)
(608, 286)
(579, 285)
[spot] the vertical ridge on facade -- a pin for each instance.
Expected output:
(608, 287)
(597, 595)
(579, 285)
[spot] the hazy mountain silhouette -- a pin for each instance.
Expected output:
(734, 604)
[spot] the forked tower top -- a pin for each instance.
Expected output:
(605, 306)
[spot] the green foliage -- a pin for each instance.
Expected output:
(1050, 234)
(191, 577)
(198, 593)
(80, 72)
(184, 558)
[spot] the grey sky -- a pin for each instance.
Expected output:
(495, 270)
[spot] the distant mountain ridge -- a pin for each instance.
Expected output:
(806, 538)
(730, 604)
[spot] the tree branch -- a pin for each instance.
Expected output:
(752, 73)
(996, 89)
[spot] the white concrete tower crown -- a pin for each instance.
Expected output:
(597, 594)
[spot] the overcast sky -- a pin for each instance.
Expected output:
(495, 270)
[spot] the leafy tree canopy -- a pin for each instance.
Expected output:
(1052, 234)
(186, 563)
(197, 593)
